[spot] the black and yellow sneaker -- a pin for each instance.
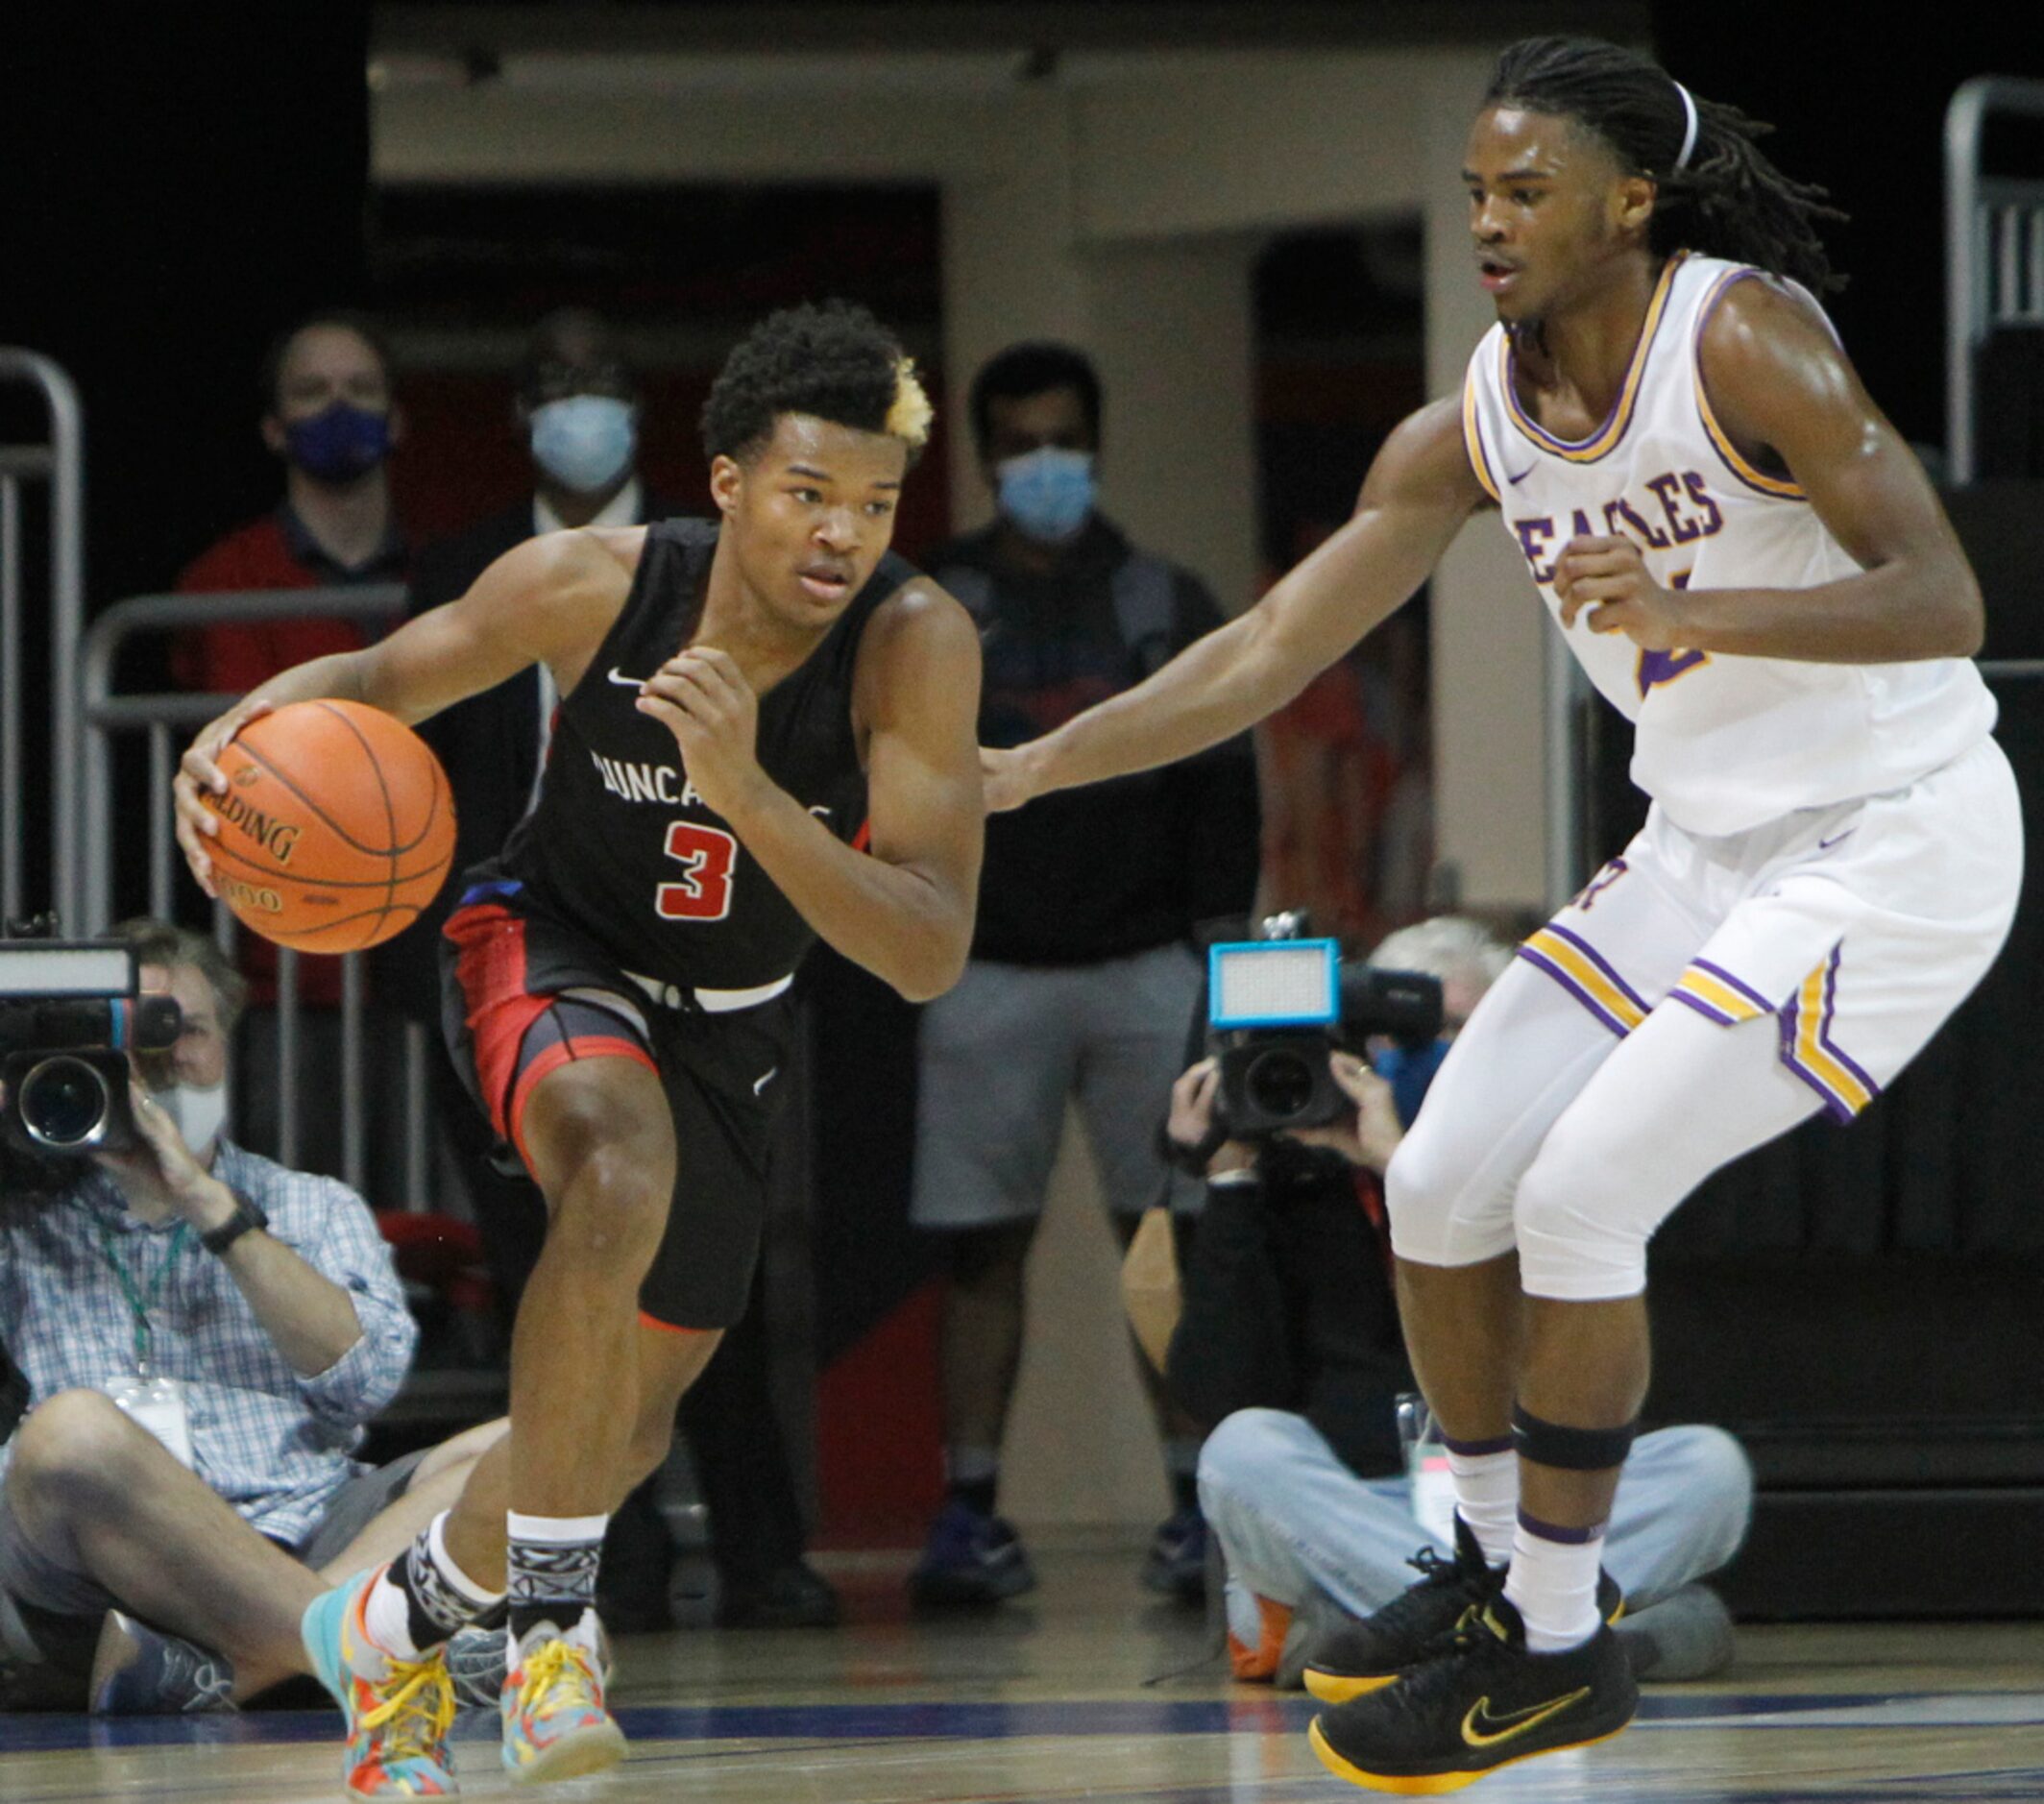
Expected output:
(1352, 1658)
(1482, 1704)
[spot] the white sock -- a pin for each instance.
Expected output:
(1553, 1583)
(456, 1596)
(1487, 1498)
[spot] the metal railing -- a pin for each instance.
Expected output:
(1994, 249)
(167, 720)
(58, 461)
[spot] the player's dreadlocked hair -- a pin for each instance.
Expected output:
(835, 361)
(1725, 199)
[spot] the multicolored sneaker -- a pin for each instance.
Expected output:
(399, 1711)
(555, 1725)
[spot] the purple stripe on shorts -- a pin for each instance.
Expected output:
(1565, 1537)
(1824, 1039)
(1478, 1449)
(1709, 1011)
(1726, 978)
(1603, 964)
(1576, 990)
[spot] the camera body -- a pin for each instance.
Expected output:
(1280, 1004)
(71, 1012)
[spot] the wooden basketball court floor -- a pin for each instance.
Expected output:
(1046, 1699)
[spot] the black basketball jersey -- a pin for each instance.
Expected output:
(619, 844)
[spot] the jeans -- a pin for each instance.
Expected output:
(1293, 1520)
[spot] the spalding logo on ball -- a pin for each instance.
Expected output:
(336, 827)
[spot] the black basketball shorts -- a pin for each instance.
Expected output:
(506, 974)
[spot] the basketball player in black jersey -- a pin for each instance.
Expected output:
(767, 736)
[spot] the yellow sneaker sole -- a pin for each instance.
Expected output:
(1431, 1784)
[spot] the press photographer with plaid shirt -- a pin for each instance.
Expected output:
(203, 1335)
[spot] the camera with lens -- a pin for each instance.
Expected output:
(1278, 1006)
(71, 1012)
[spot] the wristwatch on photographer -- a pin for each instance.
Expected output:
(246, 1214)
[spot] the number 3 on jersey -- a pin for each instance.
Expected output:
(704, 891)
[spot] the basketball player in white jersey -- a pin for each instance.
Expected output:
(1751, 565)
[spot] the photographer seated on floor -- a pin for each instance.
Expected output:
(203, 1335)
(1288, 1340)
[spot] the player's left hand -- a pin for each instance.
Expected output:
(702, 697)
(1609, 577)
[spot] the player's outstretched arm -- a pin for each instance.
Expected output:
(906, 911)
(1788, 398)
(1414, 500)
(551, 599)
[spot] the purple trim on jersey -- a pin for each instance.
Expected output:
(1553, 1531)
(1709, 1011)
(1476, 1449)
(1726, 978)
(1712, 429)
(1542, 962)
(1618, 423)
(1604, 967)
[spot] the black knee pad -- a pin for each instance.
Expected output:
(1571, 1449)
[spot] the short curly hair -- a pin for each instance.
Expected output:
(835, 361)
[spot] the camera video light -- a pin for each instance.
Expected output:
(33, 969)
(1273, 982)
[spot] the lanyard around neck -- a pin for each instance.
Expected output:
(141, 1301)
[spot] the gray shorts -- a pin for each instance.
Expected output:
(1003, 1052)
(27, 1576)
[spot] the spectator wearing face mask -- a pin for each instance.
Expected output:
(1081, 975)
(329, 419)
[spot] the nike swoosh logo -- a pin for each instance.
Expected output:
(1477, 1726)
(623, 681)
(1825, 846)
(1523, 474)
(762, 1085)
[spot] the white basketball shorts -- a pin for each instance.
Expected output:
(1698, 999)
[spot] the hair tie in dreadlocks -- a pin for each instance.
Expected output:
(1716, 193)
(1689, 129)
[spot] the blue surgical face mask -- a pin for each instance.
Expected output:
(1047, 493)
(1409, 1071)
(585, 442)
(339, 442)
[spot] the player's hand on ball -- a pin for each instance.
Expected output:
(1609, 577)
(702, 697)
(199, 777)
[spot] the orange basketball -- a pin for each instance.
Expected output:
(337, 826)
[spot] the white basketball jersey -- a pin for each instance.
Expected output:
(1723, 742)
